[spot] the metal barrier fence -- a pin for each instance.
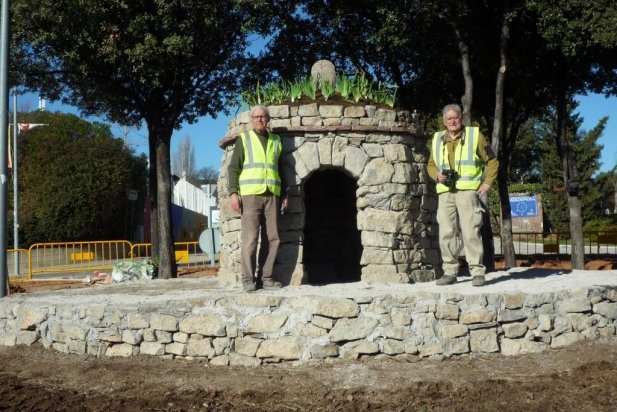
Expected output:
(596, 242)
(82, 258)
(76, 259)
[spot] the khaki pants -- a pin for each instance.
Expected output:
(259, 216)
(460, 211)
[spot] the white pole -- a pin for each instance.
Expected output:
(15, 189)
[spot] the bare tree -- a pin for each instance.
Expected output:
(207, 175)
(183, 160)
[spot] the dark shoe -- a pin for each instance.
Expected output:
(477, 281)
(270, 283)
(249, 285)
(446, 280)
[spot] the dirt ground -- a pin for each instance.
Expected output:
(582, 377)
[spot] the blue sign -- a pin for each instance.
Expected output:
(524, 206)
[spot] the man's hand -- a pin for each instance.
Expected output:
(284, 204)
(483, 189)
(236, 203)
(441, 177)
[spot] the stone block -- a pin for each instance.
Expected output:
(221, 345)
(484, 340)
(447, 311)
(152, 348)
(76, 346)
(136, 321)
(132, 337)
(456, 346)
(207, 325)
(352, 329)
(26, 337)
(258, 300)
(456, 330)
(30, 317)
(477, 316)
(566, 339)
(574, 305)
(247, 346)
(310, 330)
(265, 323)
(606, 309)
(181, 337)
(513, 300)
(335, 308)
(163, 336)
(430, 349)
(324, 351)
(123, 350)
(513, 347)
(511, 315)
(236, 359)
(162, 322)
(200, 348)
(393, 347)
(359, 347)
(176, 348)
(286, 348)
(322, 322)
(514, 330)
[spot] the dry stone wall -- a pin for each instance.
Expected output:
(251, 329)
(384, 153)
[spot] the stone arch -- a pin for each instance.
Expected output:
(332, 240)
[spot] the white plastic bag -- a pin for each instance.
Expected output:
(131, 271)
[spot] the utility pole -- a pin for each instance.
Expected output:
(4, 128)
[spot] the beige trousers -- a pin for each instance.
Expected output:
(259, 216)
(460, 212)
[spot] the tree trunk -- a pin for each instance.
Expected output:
(507, 243)
(507, 240)
(467, 98)
(569, 177)
(152, 188)
(167, 261)
(467, 101)
(615, 193)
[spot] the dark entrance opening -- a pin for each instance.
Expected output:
(332, 244)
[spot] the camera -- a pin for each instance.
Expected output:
(451, 177)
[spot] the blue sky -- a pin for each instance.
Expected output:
(207, 132)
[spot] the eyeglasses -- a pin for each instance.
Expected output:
(260, 117)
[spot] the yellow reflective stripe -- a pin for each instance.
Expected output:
(259, 166)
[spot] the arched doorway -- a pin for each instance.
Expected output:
(332, 244)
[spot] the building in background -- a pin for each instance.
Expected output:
(191, 209)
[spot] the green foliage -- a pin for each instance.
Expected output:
(74, 179)
(601, 224)
(326, 89)
(357, 88)
(343, 86)
(295, 91)
(309, 88)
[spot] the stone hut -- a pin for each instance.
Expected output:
(361, 203)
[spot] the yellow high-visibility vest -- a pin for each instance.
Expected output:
(260, 168)
(467, 163)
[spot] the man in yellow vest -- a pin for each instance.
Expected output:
(459, 157)
(255, 186)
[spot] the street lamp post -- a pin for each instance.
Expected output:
(4, 106)
(15, 191)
